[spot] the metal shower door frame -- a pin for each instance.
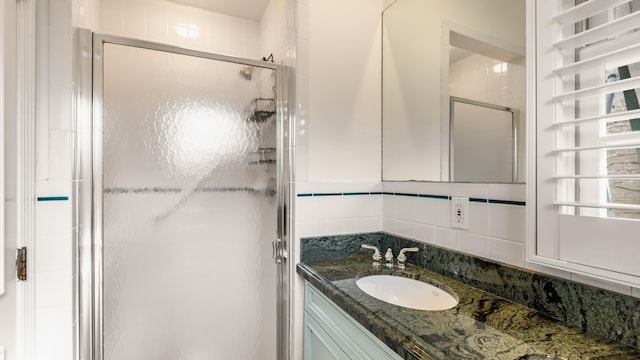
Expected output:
(88, 202)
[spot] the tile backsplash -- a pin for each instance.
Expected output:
(497, 217)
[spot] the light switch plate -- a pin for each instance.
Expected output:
(1, 353)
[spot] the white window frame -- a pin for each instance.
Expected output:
(544, 230)
(2, 188)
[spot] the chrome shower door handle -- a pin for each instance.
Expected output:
(276, 255)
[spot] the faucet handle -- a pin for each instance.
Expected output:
(376, 255)
(402, 257)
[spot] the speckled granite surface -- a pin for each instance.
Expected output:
(585, 308)
(482, 326)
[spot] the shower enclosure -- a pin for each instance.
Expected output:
(185, 155)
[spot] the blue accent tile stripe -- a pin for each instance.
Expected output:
(339, 194)
(429, 196)
(406, 194)
(507, 202)
(441, 197)
(53, 198)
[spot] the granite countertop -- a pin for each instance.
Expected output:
(481, 326)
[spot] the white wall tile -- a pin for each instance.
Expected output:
(156, 21)
(507, 222)
(302, 91)
(361, 225)
(53, 188)
(135, 19)
(302, 56)
(307, 228)
(406, 228)
(112, 17)
(337, 187)
(447, 238)
(331, 227)
(53, 254)
(425, 210)
(406, 208)
(474, 244)
(506, 251)
(425, 233)
(301, 168)
(217, 33)
(303, 20)
(389, 225)
(60, 105)
(301, 137)
(390, 205)
(53, 334)
(53, 218)
(478, 217)
(234, 36)
(443, 212)
(60, 155)
(54, 291)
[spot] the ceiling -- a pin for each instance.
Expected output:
(245, 9)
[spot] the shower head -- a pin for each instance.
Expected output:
(246, 73)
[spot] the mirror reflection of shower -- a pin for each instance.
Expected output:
(488, 76)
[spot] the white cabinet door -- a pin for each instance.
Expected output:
(317, 344)
(352, 339)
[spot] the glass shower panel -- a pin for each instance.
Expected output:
(189, 207)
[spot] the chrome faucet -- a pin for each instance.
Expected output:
(402, 257)
(376, 255)
(389, 258)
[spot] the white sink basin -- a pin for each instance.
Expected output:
(406, 292)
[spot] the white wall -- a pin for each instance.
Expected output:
(158, 20)
(344, 90)
(337, 126)
(8, 61)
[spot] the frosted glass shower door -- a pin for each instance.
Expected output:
(189, 207)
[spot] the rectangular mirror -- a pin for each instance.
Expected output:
(436, 50)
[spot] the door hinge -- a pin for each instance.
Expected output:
(21, 264)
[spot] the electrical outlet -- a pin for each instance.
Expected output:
(1, 353)
(460, 212)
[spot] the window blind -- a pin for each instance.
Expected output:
(588, 136)
(597, 73)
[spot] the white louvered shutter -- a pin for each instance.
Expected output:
(588, 137)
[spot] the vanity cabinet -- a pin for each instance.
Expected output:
(330, 333)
